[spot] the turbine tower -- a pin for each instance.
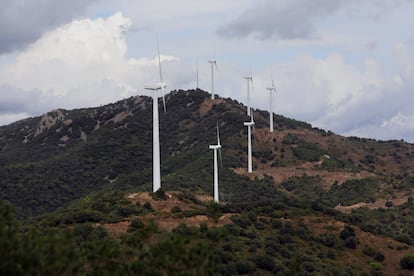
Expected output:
(213, 64)
(156, 124)
(216, 180)
(249, 79)
(271, 90)
(249, 142)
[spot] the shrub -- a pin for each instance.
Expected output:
(148, 206)
(369, 251)
(347, 232)
(407, 261)
(213, 211)
(379, 256)
(376, 266)
(176, 209)
(264, 262)
(329, 240)
(137, 223)
(245, 267)
(388, 204)
(159, 194)
(241, 221)
(351, 242)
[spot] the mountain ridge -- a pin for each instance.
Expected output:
(294, 149)
(316, 202)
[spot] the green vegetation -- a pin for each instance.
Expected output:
(65, 207)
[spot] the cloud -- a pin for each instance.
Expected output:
(372, 101)
(81, 53)
(294, 19)
(15, 100)
(80, 64)
(22, 22)
(300, 19)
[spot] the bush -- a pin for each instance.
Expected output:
(328, 240)
(213, 211)
(148, 206)
(347, 232)
(176, 209)
(407, 262)
(137, 223)
(369, 251)
(241, 221)
(159, 194)
(245, 267)
(376, 266)
(351, 242)
(263, 262)
(379, 256)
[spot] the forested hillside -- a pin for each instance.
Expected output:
(316, 203)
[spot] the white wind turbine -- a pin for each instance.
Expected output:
(271, 90)
(249, 79)
(216, 180)
(156, 124)
(249, 142)
(213, 64)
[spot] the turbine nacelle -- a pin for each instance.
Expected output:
(248, 123)
(214, 147)
(155, 86)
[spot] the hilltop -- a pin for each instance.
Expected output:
(316, 201)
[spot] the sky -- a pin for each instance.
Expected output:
(341, 65)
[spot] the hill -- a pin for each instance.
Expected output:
(317, 202)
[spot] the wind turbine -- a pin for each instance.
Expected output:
(249, 80)
(216, 180)
(213, 63)
(249, 142)
(271, 89)
(156, 124)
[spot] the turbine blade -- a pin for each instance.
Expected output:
(218, 135)
(159, 60)
(273, 83)
(215, 65)
(221, 158)
(163, 99)
(254, 135)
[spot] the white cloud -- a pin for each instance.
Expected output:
(79, 64)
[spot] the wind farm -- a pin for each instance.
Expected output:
(125, 154)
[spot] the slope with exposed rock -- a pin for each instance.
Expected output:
(92, 167)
